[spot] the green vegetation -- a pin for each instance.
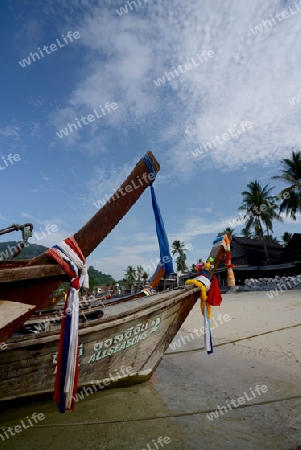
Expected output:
(291, 174)
(228, 230)
(97, 278)
(139, 275)
(7, 249)
(286, 237)
(260, 209)
(130, 277)
(179, 248)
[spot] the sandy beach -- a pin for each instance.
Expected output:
(246, 395)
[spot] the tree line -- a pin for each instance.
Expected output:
(259, 209)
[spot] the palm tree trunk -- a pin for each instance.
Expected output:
(263, 240)
(264, 244)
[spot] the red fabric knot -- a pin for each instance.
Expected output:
(214, 297)
(75, 283)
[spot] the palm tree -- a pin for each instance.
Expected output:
(260, 210)
(125, 284)
(286, 237)
(271, 238)
(179, 248)
(230, 231)
(193, 269)
(145, 277)
(139, 273)
(130, 276)
(246, 233)
(291, 196)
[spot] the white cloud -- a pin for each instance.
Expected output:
(195, 226)
(36, 102)
(35, 129)
(143, 250)
(106, 179)
(10, 132)
(250, 78)
(49, 232)
(26, 215)
(244, 81)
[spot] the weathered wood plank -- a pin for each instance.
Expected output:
(135, 309)
(10, 312)
(24, 273)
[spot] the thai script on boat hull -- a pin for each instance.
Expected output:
(131, 336)
(128, 338)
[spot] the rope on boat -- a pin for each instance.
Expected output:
(150, 166)
(70, 257)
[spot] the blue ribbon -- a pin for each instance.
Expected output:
(165, 257)
(150, 166)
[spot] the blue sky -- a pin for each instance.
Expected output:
(116, 58)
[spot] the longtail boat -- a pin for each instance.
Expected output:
(121, 341)
(25, 285)
(122, 347)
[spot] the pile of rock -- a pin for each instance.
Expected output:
(266, 284)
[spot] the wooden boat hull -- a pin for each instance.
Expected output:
(123, 347)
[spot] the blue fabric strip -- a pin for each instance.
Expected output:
(62, 404)
(165, 257)
(208, 324)
(149, 165)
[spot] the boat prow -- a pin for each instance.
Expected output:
(31, 282)
(122, 347)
